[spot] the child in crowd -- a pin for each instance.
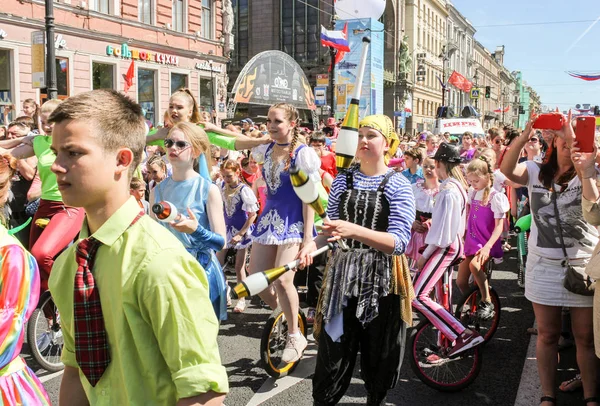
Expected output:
(413, 158)
(137, 189)
(157, 171)
(487, 210)
(424, 191)
(148, 297)
(240, 207)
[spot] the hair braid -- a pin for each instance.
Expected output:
(292, 147)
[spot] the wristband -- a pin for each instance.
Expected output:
(589, 173)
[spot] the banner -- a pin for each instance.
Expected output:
(38, 59)
(460, 82)
(371, 100)
(273, 77)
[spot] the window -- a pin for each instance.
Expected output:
(62, 80)
(207, 25)
(206, 94)
(178, 15)
(101, 6)
(300, 30)
(178, 80)
(147, 93)
(145, 14)
(240, 10)
(103, 76)
(5, 84)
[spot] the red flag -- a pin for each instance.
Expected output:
(460, 82)
(129, 77)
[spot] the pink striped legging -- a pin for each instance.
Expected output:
(431, 277)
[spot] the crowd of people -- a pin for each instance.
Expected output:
(146, 222)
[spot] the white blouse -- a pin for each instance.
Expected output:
(499, 202)
(448, 218)
(424, 197)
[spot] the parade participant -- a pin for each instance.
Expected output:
(137, 189)
(65, 222)
(201, 229)
(445, 247)
(556, 182)
(240, 207)
(432, 142)
(317, 142)
(413, 158)
(468, 147)
(148, 297)
(285, 224)
(250, 170)
(156, 168)
(424, 191)
(355, 313)
(486, 210)
(20, 291)
(184, 107)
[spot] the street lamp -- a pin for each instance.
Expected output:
(504, 93)
(51, 89)
(212, 91)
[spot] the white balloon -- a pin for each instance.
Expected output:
(353, 9)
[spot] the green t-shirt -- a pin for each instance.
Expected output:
(45, 156)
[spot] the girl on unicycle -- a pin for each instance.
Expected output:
(487, 209)
(445, 247)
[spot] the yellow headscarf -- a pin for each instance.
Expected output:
(385, 126)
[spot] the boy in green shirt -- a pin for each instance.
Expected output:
(137, 321)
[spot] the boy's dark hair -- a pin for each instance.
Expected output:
(116, 120)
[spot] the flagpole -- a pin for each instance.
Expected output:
(333, 53)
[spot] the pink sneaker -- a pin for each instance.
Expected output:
(467, 340)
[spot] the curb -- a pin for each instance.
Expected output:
(529, 388)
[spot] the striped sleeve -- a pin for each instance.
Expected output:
(337, 189)
(399, 193)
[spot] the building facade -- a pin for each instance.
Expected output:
(294, 27)
(487, 74)
(509, 92)
(426, 31)
(460, 56)
(171, 43)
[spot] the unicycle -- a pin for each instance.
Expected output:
(273, 343)
(466, 310)
(429, 350)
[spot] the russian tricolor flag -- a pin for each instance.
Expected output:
(335, 39)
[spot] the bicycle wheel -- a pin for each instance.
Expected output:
(433, 367)
(273, 342)
(466, 312)
(44, 335)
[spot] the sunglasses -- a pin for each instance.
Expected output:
(17, 123)
(498, 142)
(179, 144)
(533, 139)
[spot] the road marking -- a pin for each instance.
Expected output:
(273, 386)
(46, 378)
(529, 387)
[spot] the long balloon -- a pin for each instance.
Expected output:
(347, 142)
(308, 192)
(256, 283)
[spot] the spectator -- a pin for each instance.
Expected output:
(331, 130)
(413, 158)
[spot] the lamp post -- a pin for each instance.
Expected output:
(212, 92)
(51, 89)
(503, 101)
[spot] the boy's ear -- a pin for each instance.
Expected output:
(124, 160)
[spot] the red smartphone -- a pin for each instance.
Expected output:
(549, 121)
(585, 133)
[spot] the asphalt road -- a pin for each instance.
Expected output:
(497, 383)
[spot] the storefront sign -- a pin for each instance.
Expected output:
(38, 59)
(323, 79)
(126, 53)
(60, 42)
(207, 67)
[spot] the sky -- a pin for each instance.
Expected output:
(543, 52)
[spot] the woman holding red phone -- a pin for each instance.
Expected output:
(556, 182)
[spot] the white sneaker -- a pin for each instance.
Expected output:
(294, 348)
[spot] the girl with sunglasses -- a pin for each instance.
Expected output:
(201, 227)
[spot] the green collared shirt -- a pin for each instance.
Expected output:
(161, 326)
